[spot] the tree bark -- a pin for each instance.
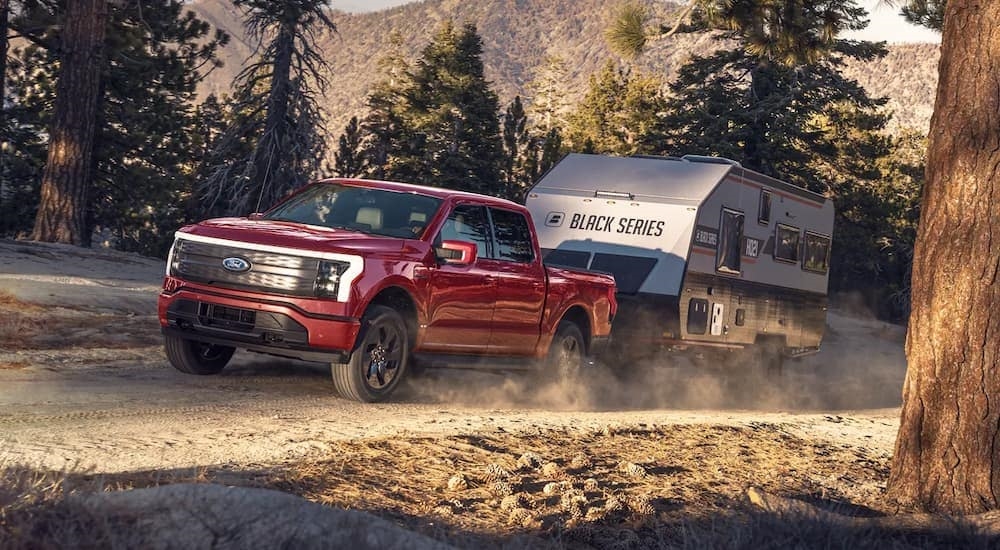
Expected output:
(66, 180)
(947, 457)
(270, 149)
(4, 14)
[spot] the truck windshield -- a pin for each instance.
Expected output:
(363, 209)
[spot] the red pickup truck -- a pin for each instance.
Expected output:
(372, 276)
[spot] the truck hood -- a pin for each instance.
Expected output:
(298, 236)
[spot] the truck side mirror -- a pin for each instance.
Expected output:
(456, 253)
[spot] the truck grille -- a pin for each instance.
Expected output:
(271, 273)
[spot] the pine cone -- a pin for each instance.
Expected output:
(580, 461)
(594, 514)
(574, 503)
(641, 506)
(551, 469)
(632, 470)
(514, 501)
(457, 482)
(520, 516)
(529, 460)
(496, 472)
(502, 489)
(612, 503)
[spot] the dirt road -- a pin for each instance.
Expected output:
(84, 385)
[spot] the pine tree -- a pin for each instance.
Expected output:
(66, 181)
(349, 162)
(277, 113)
(156, 52)
(384, 133)
(519, 150)
(549, 105)
(621, 114)
(452, 116)
(946, 458)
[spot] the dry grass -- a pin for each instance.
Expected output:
(27, 326)
(35, 511)
(677, 487)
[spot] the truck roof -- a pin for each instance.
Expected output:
(436, 192)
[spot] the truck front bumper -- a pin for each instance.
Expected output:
(262, 325)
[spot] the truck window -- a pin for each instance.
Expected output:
(786, 243)
(356, 208)
(730, 239)
(817, 253)
(468, 223)
(513, 236)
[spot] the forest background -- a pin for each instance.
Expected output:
(221, 108)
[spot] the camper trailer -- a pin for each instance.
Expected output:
(708, 256)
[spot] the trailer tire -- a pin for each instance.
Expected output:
(379, 360)
(769, 358)
(193, 357)
(567, 351)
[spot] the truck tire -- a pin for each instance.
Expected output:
(379, 359)
(567, 350)
(193, 357)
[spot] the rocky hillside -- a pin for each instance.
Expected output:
(517, 37)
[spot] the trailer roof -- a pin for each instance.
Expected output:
(655, 177)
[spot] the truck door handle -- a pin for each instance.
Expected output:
(490, 280)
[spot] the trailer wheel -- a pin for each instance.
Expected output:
(769, 358)
(379, 359)
(192, 357)
(567, 350)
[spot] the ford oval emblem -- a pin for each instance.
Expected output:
(236, 265)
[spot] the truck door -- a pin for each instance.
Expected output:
(520, 297)
(461, 298)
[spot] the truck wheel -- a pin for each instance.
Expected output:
(378, 361)
(192, 357)
(566, 350)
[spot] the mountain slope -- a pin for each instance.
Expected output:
(519, 34)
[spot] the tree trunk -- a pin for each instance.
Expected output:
(270, 148)
(4, 10)
(66, 181)
(947, 455)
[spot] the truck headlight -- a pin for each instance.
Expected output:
(174, 258)
(328, 278)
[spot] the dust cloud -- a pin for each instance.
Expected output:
(861, 366)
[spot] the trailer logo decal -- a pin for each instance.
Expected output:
(752, 246)
(555, 219)
(706, 236)
(621, 226)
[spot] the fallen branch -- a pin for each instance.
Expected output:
(986, 524)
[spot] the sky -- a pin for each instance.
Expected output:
(886, 24)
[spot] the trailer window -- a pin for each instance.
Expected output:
(630, 271)
(566, 258)
(764, 209)
(730, 238)
(786, 243)
(816, 256)
(513, 236)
